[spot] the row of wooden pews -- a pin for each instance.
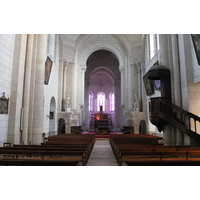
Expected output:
(148, 150)
(58, 150)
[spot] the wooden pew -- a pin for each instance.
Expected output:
(128, 150)
(59, 150)
(16, 157)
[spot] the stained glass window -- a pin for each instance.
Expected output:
(101, 101)
(112, 101)
(90, 101)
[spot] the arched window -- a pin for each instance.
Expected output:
(101, 101)
(112, 101)
(90, 101)
(153, 44)
(51, 45)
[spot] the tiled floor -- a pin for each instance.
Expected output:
(102, 154)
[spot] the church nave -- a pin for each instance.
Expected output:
(102, 154)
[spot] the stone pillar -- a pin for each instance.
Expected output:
(16, 92)
(65, 65)
(68, 123)
(176, 84)
(27, 83)
(137, 117)
(82, 81)
(176, 71)
(38, 114)
(32, 88)
(60, 86)
(164, 60)
(144, 101)
(82, 99)
(74, 85)
(128, 118)
(123, 97)
(167, 135)
(117, 113)
(139, 93)
(122, 86)
(87, 117)
(134, 80)
(129, 88)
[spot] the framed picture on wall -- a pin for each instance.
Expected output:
(149, 86)
(196, 42)
(48, 67)
(4, 104)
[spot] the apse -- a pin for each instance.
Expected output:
(101, 75)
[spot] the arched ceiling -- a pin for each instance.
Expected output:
(130, 43)
(104, 62)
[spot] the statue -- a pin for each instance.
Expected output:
(68, 101)
(136, 103)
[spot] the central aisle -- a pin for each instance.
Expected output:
(102, 154)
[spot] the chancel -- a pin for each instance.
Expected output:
(68, 99)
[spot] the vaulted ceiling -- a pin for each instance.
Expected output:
(69, 43)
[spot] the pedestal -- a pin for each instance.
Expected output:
(137, 117)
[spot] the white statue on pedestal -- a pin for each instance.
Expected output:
(67, 103)
(136, 103)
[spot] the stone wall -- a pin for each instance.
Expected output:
(6, 66)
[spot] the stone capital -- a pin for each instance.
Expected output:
(65, 64)
(121, 69)
(70, 64)
(138, 66)
(83, 68)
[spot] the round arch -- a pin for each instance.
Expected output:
(100, 42)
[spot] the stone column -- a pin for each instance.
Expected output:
(176, 83)
(60, 86)
(38, 114)
(129, 87)
(87, 117)
(164, 60)
(139, 93)
(128, 118)
(27, 84)
(122, 86)
(82, 84)
(64, 92)
(68, 123)
(32, 88)
(82, 102)
(137, 117)
(16, 92)
(134, 80)
(117, 113)
(123, 94)
(74, 85)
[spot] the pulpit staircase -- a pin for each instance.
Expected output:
(163, 112)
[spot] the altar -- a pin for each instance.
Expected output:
(101, 123)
